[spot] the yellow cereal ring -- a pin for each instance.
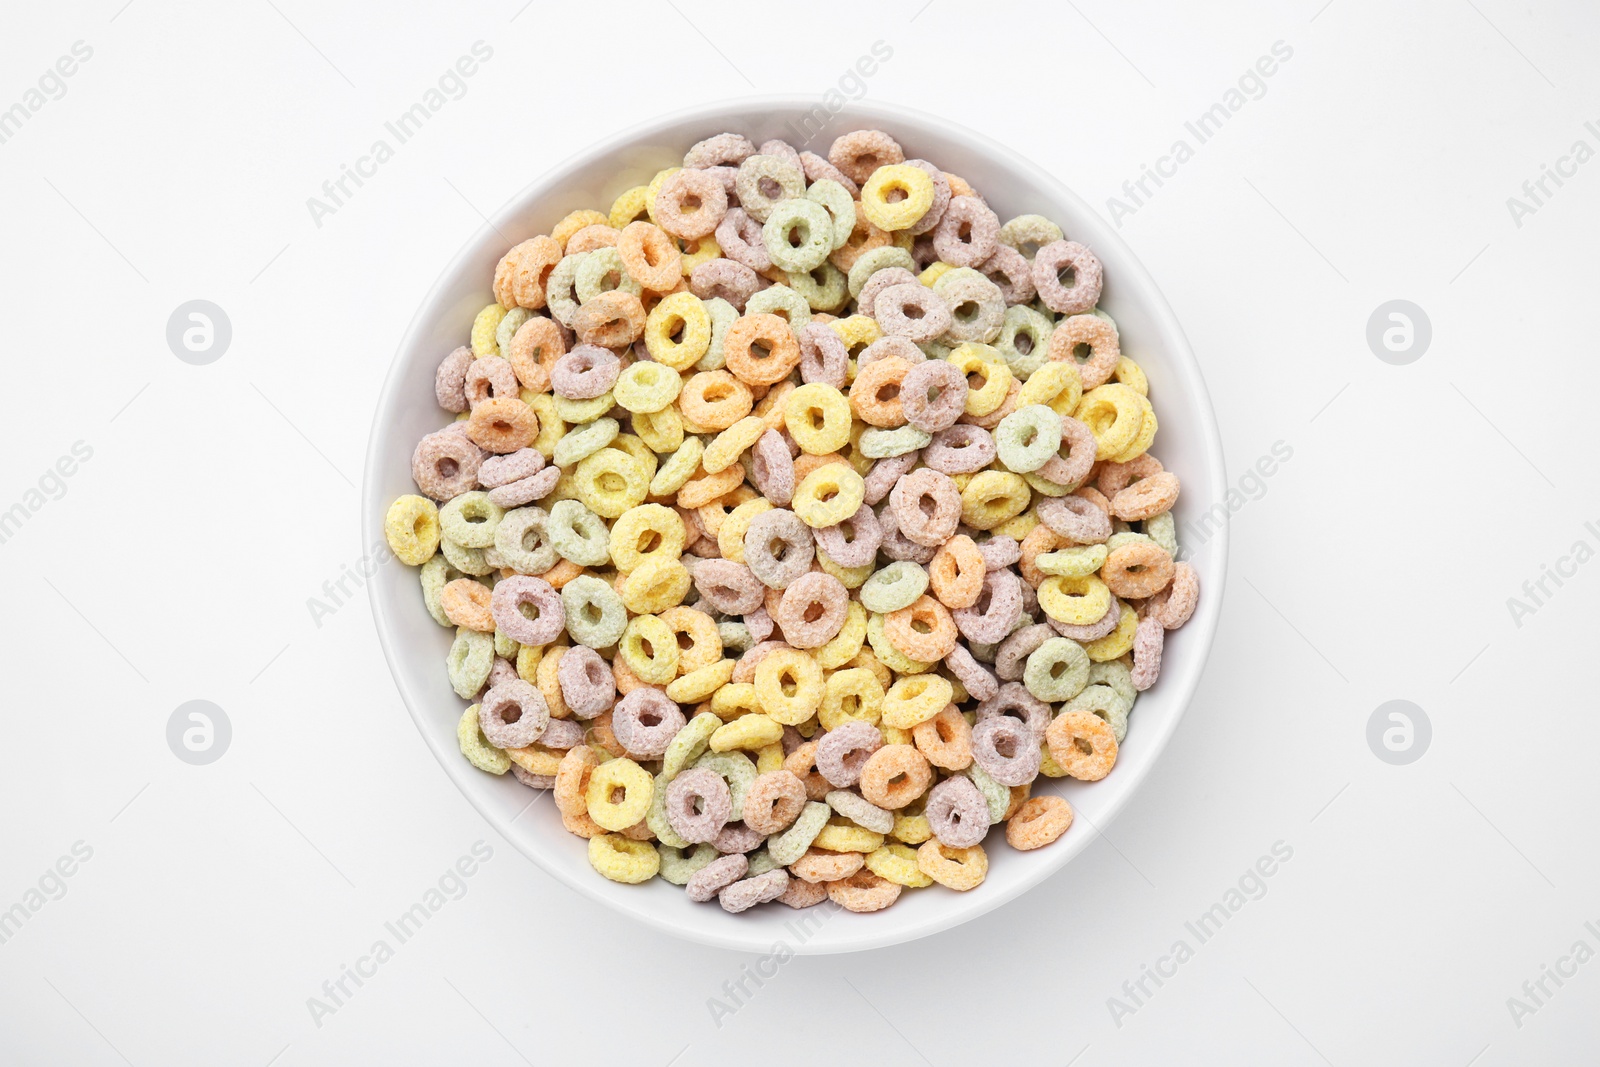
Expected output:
(636, 786)
(610, 482)
(688, 745)
(955, 868)
(911, 826)
(562, 231)
(732, 701)
(628, 207)
(623, 860)
(828, 495)
(649, 649)
(578, 412)
(650, 531)
(655, 585)
(915, 189)
(897, 863)
(551, 428)
(730, 535)
(1019, 527)
(411, 527)
(992, 497)
(854, 693)
(1057, 384)
(1118, 641)
(849, 577)
(678, 469)
(1142, 440)
(661, 430)
(934, 272)
(1132, 375)
(646, 387)
(536, 759)
(891, 657)
(1115, 415)
(484, 342)
(915, 700)
(479, 752)
(818, 417)
(704, 639)
(725, 449)
(1047, 764)
(748, 732)
(842, 835)
(988, 378)
(528, 657)
(1075, 601)
(788, 685)
(769, 759)
(703, 682)
(857, 332)
(698, 250)
(847, 642)
(681, 314)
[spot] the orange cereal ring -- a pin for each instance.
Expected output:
(1137, 570)
(535, 347)
(864, 237)
(863, 892)
(1039, 821)
(561, 233)
(802, 763)
(1090, 343)
(703, 488)
(924, 631)
(1146, 498)
(875, 394)
(715, 400)
(895, 775)
(600, 235)
(945, 740)
(956, 572)
(465, 602)
(520, 276)
(1082, 743)
(820, 865)
(611, 320)
(502, 424)
(805, 463)
(1039, 540)
(563, 572)
(650, 257)
(572, 780)
(954, 868)
(1112, 478)
(760, 349)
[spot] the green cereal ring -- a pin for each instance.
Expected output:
(661, 826)
(754, 173)
(688, 744)
(470, 661)
(600, 272)
(1106, 702)
(735, 769)
(786, 847)
(997, 796)
(1056, 670)
(504, 647)
(935, 350)
(579, 534)
(523, 541)
(759, 862)
(1026, 230)
(678, 468)
(871, 262)
(558, 288)
(839, 204)
(470, 519)
(678, 868)
(887, 654)
(1045, 487)
(646, 387)
(509, 325)
(585, 441)
(479, 752)
(798, 234)
(827, 293)
(581, 411)
(595, 614)
(1163, 531)
(784, 302)
(1126, 537)
(1115, 673)
(1027, 438)
(886, 444)
(1079, 561)
(1022, 321)
(735, 636)
(434, 575)
(894, 587)
(723, 315)
(466, 560)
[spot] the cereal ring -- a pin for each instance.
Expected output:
(863, 892)
(1038, 822)
(465, 602)
(736, 837)
(886, 444)
(824, 359)
(812, 610)
(933, 395)
(773, 801)
(897, 586)
(885, 473)
(1089, 343)
(778, 547)
(866, 304)
(614, 812)
(522, 539)
(828, 495)
(820, 865)
(1080, 265)
(978, 682)
(1027, 438)
(945, 740)
(798, 234)
(520, 276)
(772, 468)
(1012, 274)
(873, 260)
(623, 860)
(927, 507)
(724, 148)
(699, 804)
(897, 196)
(1175, 604)
(960, 449)
(500, 424)
(586, 683)
(741, 239)
(912, 311)
(445, 465)
(611, 320)
(1029, 233)
(894, 776)
(956, 572)
(1106, 703)
(1137, 570)
(728, 587)
(957, 813)
(803, 894)
(1057, 670)
(715, 400)
(1010, 657)
(716, 876)
(497, 471)
(1082, 744)
(1076, 519)
(1147, 646)
(760, 349)
(595, 615)
(650, 257)
(601, 271)
(941, 198)
(411, 527)
(788, 685)
(977, 308)
(470, 520)
(725, 279)
(818, 169)
(449, 382)
(954, 868)
(645, 722)
(924, 630)
(764, 181)
(1006, 750)
(995, 612)
(735, 769)
(844, 750)
(746, 894)
(967, 233)
(690, 204)
(852, 542)
(513, 715)
(678, 868)
(585, 372)
(1106, 624)
(860, 152)
(875, 394)
(1146, 498)
(859, 811)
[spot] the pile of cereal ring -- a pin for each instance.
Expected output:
(797, 515)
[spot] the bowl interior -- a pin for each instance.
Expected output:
(415, 646)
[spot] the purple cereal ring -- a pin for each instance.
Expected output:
(720, 150)
(737, 837)
(927, 507)
(690, 204)
(896, 545)
(968, 233)
(739, 237)
(759, 623)
(535, 486)
(445, 464)
(1148, 640)
(506, 604)
(513, 714)
(783, 150)
(1013, 700)
(778, 547)
(746, 894)
(645, 721)
(1070, 257)
(959, 449)
(1011, 273)
(923, 254)
(1098, 336)
(912, 311)
(957, 813)
(728, 586)
(887, 346)
(1012, 656)
(1071, 469)
(745, 669)
(1094, 630)
(973, 676)
(999, 551)
(886, 278)
(715, 876)
(884, 473)
(933, 395)
(816, 169)
(531, 780)
(823, 357)
(584, 373)
(513, 466)
(853, 542)
(999, 606)
(941, 198)
(860, 152)
(812, 610)
(488, 378)
(844, 749)
(771, 465)
(587, 684)
(449, 382)
(1076, 518)
(726, 278)
(698, 805)
(502, 671)
(561, 733)
(1006, 750)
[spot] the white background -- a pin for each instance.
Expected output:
(1375, 565)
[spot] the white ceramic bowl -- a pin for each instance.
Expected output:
(415, 646)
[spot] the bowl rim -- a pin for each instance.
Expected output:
(1097, 233)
